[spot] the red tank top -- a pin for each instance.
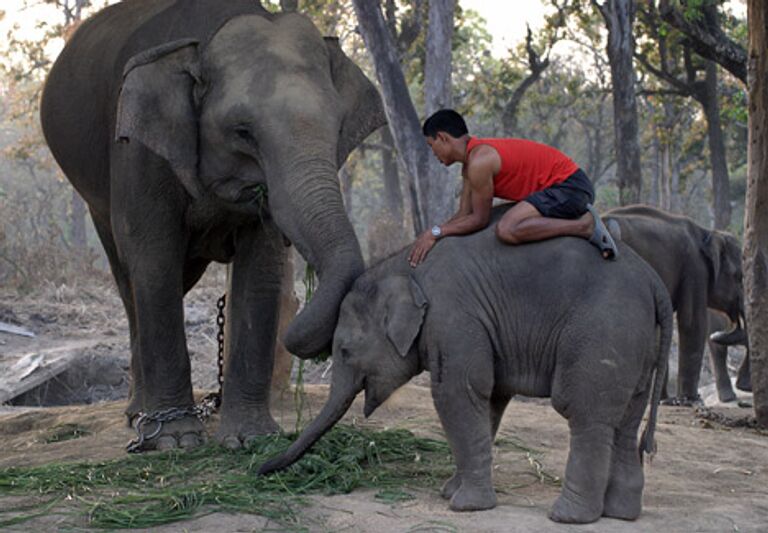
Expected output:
(526, 166)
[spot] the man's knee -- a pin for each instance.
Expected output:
(507, 233)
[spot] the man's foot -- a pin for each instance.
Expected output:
(601, 237)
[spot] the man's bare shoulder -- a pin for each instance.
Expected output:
(482, 160)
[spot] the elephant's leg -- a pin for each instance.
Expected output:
(692, 329)
(152, 245)
(497, 406)
(718, 355)
(744, 377)
(462, 399)
(253, 308)
(623, 497)
(586, 473)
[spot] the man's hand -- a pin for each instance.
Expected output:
(421, 248)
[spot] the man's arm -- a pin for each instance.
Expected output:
(465, 206)
(479, 185)
(478, 188)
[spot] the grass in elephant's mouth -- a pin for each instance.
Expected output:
(152, 489)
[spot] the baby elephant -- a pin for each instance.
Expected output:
(488, 320)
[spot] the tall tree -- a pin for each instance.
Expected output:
(619, 16)
(688, 76)
(699, 22)
(437, 95)
(756, 216)
(429, 198)
(401, 113)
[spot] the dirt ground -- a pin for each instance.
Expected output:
(705, 476)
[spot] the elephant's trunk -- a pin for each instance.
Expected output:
(735, 337)
(311, 213)
(344, 388)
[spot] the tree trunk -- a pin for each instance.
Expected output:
(721, 194)
(401, 113)
(654, 198)
(618, 15)
(289, 305)
(756, 216)
(393, 196)
(441, 182)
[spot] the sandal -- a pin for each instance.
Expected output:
(601, 237)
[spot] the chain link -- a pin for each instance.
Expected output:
(207, 406)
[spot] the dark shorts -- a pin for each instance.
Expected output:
(567, 199)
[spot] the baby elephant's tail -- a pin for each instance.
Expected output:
(664, 322)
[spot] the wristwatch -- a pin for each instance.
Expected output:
(436, 231)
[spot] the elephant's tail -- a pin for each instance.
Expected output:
(664, 322)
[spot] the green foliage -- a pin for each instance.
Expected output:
(141, 491)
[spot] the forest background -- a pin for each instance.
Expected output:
(552, 84)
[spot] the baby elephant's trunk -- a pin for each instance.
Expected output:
(343, 391)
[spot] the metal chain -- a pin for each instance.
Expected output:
(213, 401)
(208, 405)
(160, 417)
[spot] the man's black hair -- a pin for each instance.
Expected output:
(446, 120)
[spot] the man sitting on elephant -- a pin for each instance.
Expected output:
(553, 194)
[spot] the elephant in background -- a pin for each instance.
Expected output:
(170, 117)
(488, 321)
(701, 269)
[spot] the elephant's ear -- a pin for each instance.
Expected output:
(406, 306)
(363, 108)
(156, 106)
(713, 247)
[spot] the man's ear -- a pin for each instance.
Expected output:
(156, 106)
(363, 108)
(406, 307)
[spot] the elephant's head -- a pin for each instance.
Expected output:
(722, 254)
(265, 102)
(374, 348)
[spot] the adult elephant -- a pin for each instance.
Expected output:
(170, 117)
(488, 320)
(701, 269)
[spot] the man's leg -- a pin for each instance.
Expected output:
(524, 223)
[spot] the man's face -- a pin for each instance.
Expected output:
(440, 147)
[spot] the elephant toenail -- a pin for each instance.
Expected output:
(190, 440)
(231, 442)
(166, 442)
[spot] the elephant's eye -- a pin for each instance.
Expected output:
(244, 133)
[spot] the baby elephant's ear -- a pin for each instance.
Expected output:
(406, 307)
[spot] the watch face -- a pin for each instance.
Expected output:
(436, 231)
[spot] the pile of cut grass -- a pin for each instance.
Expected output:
(141, 491)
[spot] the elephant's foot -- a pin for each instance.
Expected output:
(186, 432)
(473, 498)
(744, 383)
(238, 428)
(726, 395)
(683, 401)
(451, 486)
(567, 509)
(624, 496)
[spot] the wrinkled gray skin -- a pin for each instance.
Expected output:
(701, 269)
(165, 117)
(718, 343)
(488, 321)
